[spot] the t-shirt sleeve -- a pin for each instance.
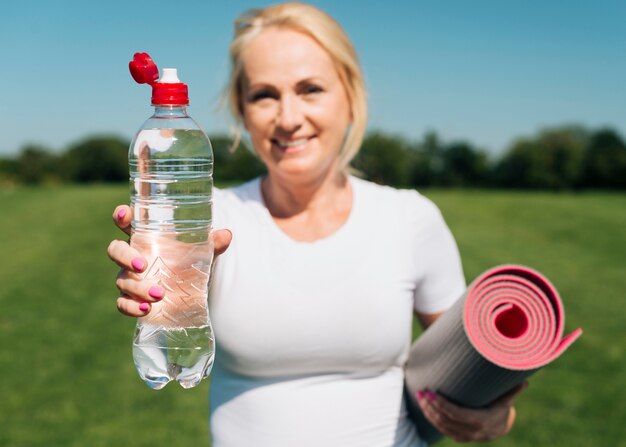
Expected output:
(440, 281)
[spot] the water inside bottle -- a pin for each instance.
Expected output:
(171, 180)
(182, 354)
(175, 340)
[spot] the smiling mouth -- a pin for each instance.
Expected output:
(291, 145)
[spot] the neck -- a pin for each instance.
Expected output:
(285, 198)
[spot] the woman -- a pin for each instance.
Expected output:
(312, 302)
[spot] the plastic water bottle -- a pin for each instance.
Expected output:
(171, 165)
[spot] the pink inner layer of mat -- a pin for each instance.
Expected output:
(514, 318)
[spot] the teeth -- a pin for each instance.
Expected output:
(294, 143)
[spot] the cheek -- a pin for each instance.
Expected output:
(338, 112)
(253, 123)
(259, 118)
(258, 131)
(346, 111)
(335, 118)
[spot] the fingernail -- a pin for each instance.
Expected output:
(121, 214)
(430, 395)
(144, 307)
(138, 264)
(420, 394)
(156, 292)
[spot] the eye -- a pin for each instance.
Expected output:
(311, 89)
(259, 95)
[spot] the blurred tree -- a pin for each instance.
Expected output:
(463, 166)
(420, 168)
(35, 164)
(235, 165)
(562, 157)
(426, 164)
(384, 159)
(551, 160)
(512, 171)
(605, 161)
(557, 158)
(9, 171)
(97, 159)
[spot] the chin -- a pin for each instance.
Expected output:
(301, 169)
(291, 168)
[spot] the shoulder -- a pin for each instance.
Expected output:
(239, 193)
(400, 205)
(229, 204)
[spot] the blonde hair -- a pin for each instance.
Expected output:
(329, 35)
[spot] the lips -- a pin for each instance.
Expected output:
(292, 144)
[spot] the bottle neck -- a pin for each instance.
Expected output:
(170, 111)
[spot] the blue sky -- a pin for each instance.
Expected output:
(486, 71)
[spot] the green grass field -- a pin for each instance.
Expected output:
(65, 359)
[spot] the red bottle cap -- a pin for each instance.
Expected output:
(144, 71)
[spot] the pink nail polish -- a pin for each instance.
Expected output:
(121, 214)
(144, 307)
(138, 264)
(430, 395)
(156, 292)
(420, 394)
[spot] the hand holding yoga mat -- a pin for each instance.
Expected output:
(507, 325)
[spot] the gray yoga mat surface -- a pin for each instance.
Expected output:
(507, 325)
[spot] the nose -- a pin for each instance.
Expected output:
(290, 116)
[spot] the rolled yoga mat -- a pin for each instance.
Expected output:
(507, 325)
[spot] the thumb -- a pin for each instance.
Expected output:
(221, 239)
(122, 216)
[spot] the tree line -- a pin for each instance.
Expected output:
(560, 158)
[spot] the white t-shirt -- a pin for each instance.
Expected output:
(312, 337)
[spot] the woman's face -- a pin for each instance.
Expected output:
(295, 107)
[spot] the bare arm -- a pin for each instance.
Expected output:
(427, 319)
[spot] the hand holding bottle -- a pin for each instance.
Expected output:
(135, 292)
